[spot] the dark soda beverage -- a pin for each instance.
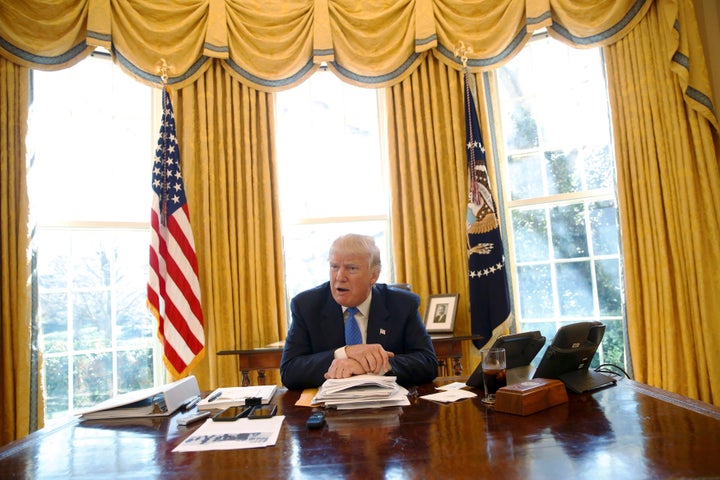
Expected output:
(494, 379)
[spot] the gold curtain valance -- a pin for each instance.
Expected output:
(274, 44)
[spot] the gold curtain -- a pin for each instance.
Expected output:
(275, 44)
(669, 193)
(19, 394)
(426, 137)
(428, 178)
(226, 143)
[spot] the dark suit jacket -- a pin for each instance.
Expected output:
(318, 329)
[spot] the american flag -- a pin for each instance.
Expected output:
(489, 296)
(173, 292)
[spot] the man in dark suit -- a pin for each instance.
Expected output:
(394, 339)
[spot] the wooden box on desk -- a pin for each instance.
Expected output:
(530, 396)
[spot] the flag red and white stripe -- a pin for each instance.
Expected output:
(173, 292)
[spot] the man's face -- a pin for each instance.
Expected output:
(351, 278)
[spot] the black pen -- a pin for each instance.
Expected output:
(214, 396)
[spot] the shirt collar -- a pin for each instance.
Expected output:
(364, 307)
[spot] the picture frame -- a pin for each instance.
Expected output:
(440, 313)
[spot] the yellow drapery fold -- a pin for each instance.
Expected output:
(44, 36)
(590, 23)
(19, 394)
(216, 36)
(143, 33)
(669, 193)
(276, 44)
(226, 138)
(426, 136)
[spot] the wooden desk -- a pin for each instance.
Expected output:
(448, 346)
(448, 349)
(626, 432)
(260, 359)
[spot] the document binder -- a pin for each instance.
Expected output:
(150, 402)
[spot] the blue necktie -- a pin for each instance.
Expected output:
(352, 330)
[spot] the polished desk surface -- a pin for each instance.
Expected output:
(628, 431)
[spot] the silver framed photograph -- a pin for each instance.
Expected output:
(440, 313)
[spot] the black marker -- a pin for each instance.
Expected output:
(214, 396)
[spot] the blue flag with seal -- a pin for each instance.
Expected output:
(489, 296)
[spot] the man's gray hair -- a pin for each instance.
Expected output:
(355, 244)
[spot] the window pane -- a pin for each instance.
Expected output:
(613, 347)
(530, 229)
(92, 379)
(329, 142)
(332, 173)
(608, 284)
(54, 260)
(599, 166)
(535, 285)
(91, 138)
(575, 293)
(54, 322)
(135, 370)
(564, 172)
(56, 381)
(91, 320)
(568, 231)
(525, 172)
(92, 141)
(558, 186)
(522, 133)
(90, 260)
(604, 227)
(135, 324)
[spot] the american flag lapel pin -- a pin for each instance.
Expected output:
(382, 331)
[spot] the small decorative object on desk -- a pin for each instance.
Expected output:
(530, 396)
(440, 313)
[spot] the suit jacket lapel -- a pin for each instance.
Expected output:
(332, 320)
(378, 322)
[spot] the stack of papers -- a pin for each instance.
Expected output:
(361, 391)
(235, 396)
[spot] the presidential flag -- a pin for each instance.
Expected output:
(489, 296)
(173, 291)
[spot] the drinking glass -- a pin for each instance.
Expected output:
(494, 372)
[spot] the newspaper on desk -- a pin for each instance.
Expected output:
(239, 434)
(361, 391)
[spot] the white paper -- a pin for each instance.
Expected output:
(448, 396)
(234, 396)
(238, 434)
(452, 386)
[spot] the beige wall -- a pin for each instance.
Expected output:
(708, 16)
